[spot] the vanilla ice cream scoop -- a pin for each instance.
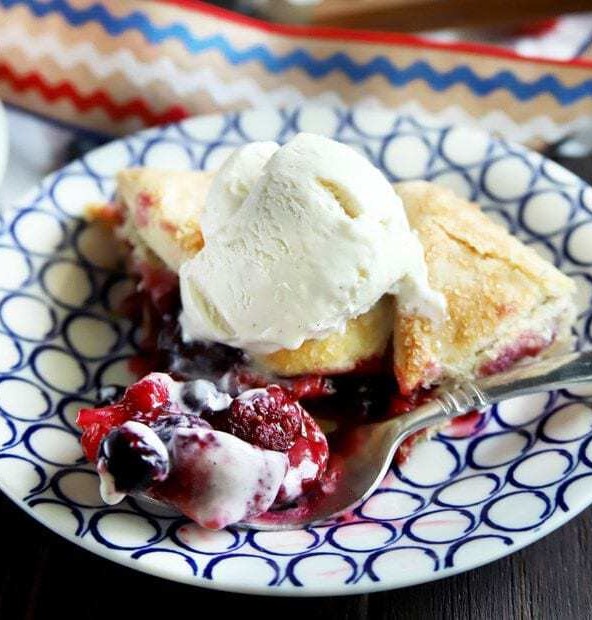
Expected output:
(298, 240)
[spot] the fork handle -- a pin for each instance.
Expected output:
(549, 374)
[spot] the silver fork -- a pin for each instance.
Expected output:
(376, 444)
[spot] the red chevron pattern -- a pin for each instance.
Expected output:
(136, 107)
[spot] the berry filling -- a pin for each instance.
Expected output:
(217, 458)
(143, 401)
(221, 440)
(213, 408)
(527, 345)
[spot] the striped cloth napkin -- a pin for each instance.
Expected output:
(115, 66)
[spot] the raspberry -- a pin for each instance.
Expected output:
(96, 423)
(146, 396)
(310, 386)
(267, 418)
(91, 439)
(143, 401)
(112, 415)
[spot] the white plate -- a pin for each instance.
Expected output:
(457, 504)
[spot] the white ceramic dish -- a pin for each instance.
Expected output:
(457, 504)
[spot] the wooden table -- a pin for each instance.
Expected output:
(43, 576)
(418, 15)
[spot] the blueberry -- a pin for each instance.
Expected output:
(197, 360)
(135, 457)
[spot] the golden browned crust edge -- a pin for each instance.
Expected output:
(489, 279)
(365, 337)
(156, 183)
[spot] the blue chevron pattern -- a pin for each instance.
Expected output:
(316, 68)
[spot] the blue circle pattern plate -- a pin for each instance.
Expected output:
(457, 504)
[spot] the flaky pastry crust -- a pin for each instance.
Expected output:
(172, 200)
(499, 292)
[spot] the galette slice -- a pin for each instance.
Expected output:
(159, 214)
(505, 302)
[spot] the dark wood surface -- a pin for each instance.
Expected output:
(420, 15)
(44, 576)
